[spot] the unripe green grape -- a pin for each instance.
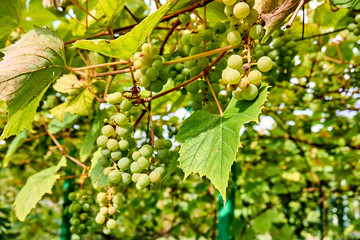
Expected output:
(120, 119)
(179, 78)
(143, 162)
(277, 42)
(139, 187)
(104, 162)
(118, 198)
(112, 144)
(207, 35)
(125, 105)
(152, 73)
(154, 50)
(107, 171)
(255, 77)
(137, 75)
(250, 93)
(228, 10)
(167, 143)
(145, 81)
(202, 84)
(155, 177)
(135, 177)
(143, 180)
(196, 50)
(125, 130)
(159, 143)
(219, 28)
(83, 216)
(185, 18)
(193, 88)
(126, 178)
(101, 197)
(107, 130)
(124, 163)
(157, 64)
(123, 145)
(196, 106)
(143, 69)
(146, 150)
(229, 2)
(145, 47)
(256, 31)
(112, 210)
(357, 18)
(244, 83)
(146, 61)
(241, 10)
(111, 224)
(234, 38)
(137, 64)
(156, 86)
(114, 98)
(232, 76)
(75, 222)
(106, 231)
(135, 156)
(100, 219)
(160, 170)
(185, 72)
(72, 196)
(264, 64)
(235, 61)
(162, 154)
(135, 168)
(114, 176)
(179, 67)
(185, 39)
(190, 64)
(105, 152)
(212, 46)
(101, 141)
(238, 94)
(252, 17)
(195, 39)
(251, 3)
(203, 63)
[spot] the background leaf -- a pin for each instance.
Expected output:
(9, 18)
(98, 179)
(347, 3)
(14, 145)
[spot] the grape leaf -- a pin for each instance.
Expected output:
(124, 46)
(355, 4)
(91, 135)
(56, 125)
(9, 18)
(209, 143)
(110, 8)
(35, 188)
(98, 179)
(26, 71)
(67, 83)
(14, 145)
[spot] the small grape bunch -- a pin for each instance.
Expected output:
(81, 210)
(149, 68)
(354, 23)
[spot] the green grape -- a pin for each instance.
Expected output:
(135, 156)
(241, 10)
(196, 106)
(138, 187)
(84, 216)
(235, 61)
(100, 219)
(106, 231)
(228, 10)
(72, 196)
(185, 72)
(77, 208)
(256, 31)
(124, 130)
(137, 64)
(137, 75)
(107, 130)
(114, 176)
(194, 71)
(152, 73)
(196, 50)
(238, 94)
(135, 168)
(125, 105)
(120, 119)
(193, 88)
(232, 76)
(111, 224)
(207, 35)
(179, 67)
(185, 39)
(234, 38)
(146, 150)
(143, 69)
(161, 170)
(250, 93)
(145, 47)
(143, 180)
(229, 2)
(244, 83)
(104, 162)
(202, 85)
(114, 98)
(195, 39)
(112, 210)
(357, 18)
(107, 171)
(123, 145)
(75, 222)
(185, 18)
(156, 86)
(145, 81)
(159, 143)
(255, 77)
(212, 46)
(203, 63)
(143, 162)
(219, 28)
(101, 197)
(164, 74)
(154, 51)
(118, 198)
(112, 144)
(116, 155)
(126, 178)
(190, 64)
(157, 64)
(264, 64)
(252, 17)
(158, 58)
(155, 177)
(86, 207)
(162, 154)
(250, 2)
(179, 78)
(135, 177)
(106, 152)
(167, 143)
(277, 42)
(101, 141)
(124, 163)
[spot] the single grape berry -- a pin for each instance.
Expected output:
(146, 150)
(235, 61)
(256, 31)
(250, 93)
(264, 64)
(114, 98)
(107, 130)
(114, 176)
(219, 28)
(155, 177)
(185, 18)
(124, 163)
(232, 76)
(241, 10)
(234, 38)
(101, 141)
(111, 224)
(125, 105)
(229, 2)
(255, 77)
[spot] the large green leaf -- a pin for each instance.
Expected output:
(36, 186)
(14, 145)
(347, 3)
(98, 179)
(26, 71)
(110, 8)
(124, 46)
(91, 135)
(9, 18)
(209, 143)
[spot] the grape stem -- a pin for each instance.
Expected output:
(290, 22)
(213, 93)
(151, 125)
(73, 176)
(97, 65)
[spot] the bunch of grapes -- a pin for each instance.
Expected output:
(81, 210)
(150, 70)
(354, 23)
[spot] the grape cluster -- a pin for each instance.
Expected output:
(81, 210)
(354, 23)
(149, 68)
